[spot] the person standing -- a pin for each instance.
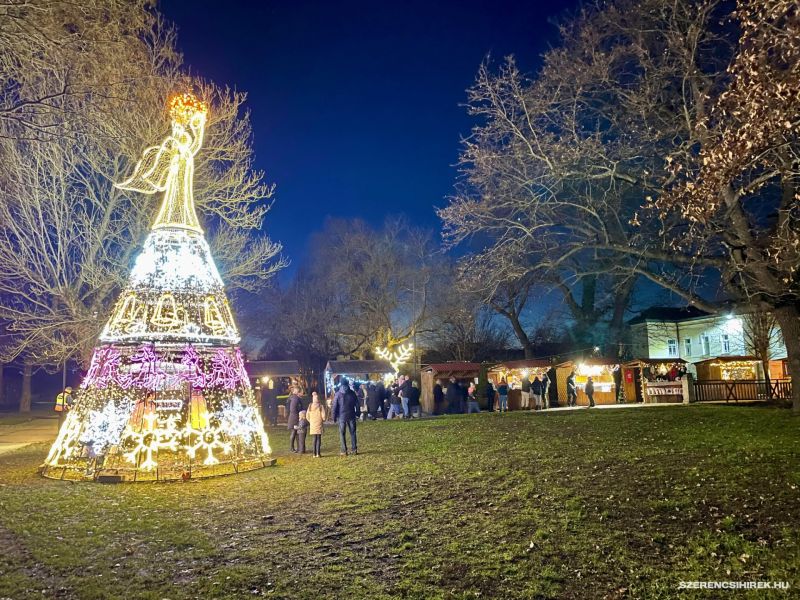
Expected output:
(271, 403)
(382, 397)
(572, 391)
(63, 405)
(536, 389)
(489, 396)
(361, 394)
(414, 406)
(545, 391)
(453, 396)
(525, 392)
(315, 414)
(589, 389)
(472, 400)
(302, 430)
(345, 414)
(502, 391)
(405, 395)
(374, 400)
(294, 404)
(395, 403)
(438, 398)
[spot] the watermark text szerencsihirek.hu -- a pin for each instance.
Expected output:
(733, 585)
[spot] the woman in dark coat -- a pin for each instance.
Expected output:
(294, 404)
(438, 398)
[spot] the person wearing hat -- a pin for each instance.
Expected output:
(64, 402)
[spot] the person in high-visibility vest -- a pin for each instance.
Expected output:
(63, 404)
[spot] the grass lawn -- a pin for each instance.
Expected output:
(588, 504)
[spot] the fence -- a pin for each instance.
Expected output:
(741, 389)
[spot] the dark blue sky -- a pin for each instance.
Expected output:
(355, 104)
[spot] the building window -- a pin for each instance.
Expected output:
(687, 344)
(706, 345)
(726, 343)
(672, 348)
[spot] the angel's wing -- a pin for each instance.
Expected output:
(152, 171)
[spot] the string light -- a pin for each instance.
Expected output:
(396, 357)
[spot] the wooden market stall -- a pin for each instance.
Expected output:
(464, 372)
(519, 374)
(605, 373)
(358, 371)
(655, 380)
(274, 377)
(742, 368)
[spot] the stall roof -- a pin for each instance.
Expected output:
(453, 368)
(273, 368)
(654, 361)
(595, 360)
(348, 367)
(526, 363)
(729, 359)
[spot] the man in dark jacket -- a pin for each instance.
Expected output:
(438, 398)
(374, 400)
(453, 396)
(383, 396)
(489, 396)
(294, 404)
(536, 389)
(345, 412)
(589, 389)
(405, 395)
(414, 406)
(572, 390)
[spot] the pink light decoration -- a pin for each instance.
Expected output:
(194, 370)
(103, 369)
(239, 359)
(149, 375)
(224, 372)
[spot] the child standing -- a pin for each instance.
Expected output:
(302, 429)
(316, 417)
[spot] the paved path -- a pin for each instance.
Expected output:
(38, 429)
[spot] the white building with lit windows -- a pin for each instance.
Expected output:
(697, 337)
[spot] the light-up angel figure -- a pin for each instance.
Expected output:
(169, 168)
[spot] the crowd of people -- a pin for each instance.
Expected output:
(399, 399)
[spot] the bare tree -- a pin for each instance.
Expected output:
(85, 87)
(658, 142)
(470, 333)
(762, 335)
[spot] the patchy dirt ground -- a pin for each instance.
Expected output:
(589, 504)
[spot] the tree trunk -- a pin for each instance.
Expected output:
(25, 399)
(788, 318)
(767, 382)
(519, 331)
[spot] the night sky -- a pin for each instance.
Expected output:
(356, 106)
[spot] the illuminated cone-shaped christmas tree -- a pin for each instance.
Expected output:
(166, 395)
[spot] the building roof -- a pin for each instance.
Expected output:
(668, 313)
(352, 367)
(526, 363)
(273, 368)
(455, 367)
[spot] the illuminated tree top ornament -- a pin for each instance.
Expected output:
(169, 168)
